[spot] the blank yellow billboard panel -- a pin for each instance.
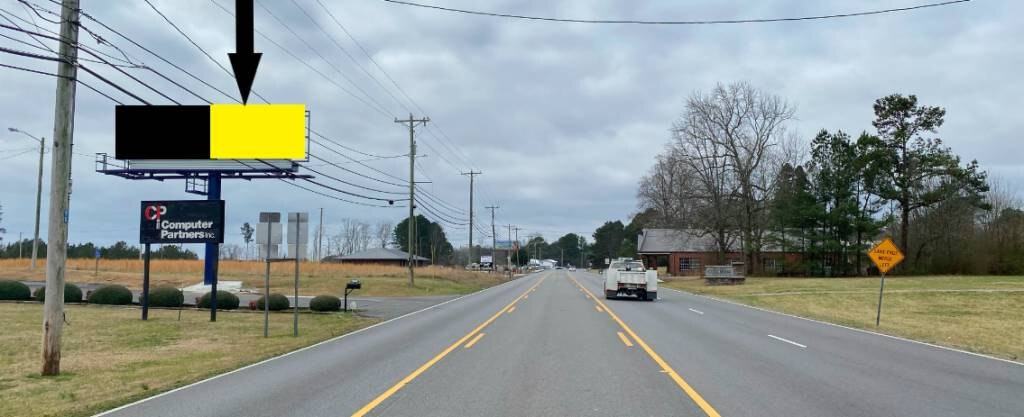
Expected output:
(257, 131)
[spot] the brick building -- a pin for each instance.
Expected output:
(687, 251)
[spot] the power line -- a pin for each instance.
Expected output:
(393, 82)
(675, 22)
(377, 106)
(346, 182)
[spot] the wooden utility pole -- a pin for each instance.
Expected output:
(471, 175)
(517, 229)
(60, 182)
(494, 240)
(508, 255)
(412, 122)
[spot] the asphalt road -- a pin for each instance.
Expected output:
(542, 346)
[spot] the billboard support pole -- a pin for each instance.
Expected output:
(145, 285)
(212, 255)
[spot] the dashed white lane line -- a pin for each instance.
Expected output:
(697, 311)
(787, 341)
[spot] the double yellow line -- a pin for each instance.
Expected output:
(405, 381)
(703, 404)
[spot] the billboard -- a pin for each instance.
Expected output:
(210, 132)
(486, 259)
(182, 221)
(505, 244)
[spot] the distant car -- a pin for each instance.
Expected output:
(572, 269)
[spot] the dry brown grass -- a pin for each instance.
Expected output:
(110, 357)
(977, 313)
(315, 278)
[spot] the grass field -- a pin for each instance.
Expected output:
(982, 314)
(110, 357)
(314, 278)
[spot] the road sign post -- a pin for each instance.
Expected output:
(298, 234)
(886, 256)
(268, 234)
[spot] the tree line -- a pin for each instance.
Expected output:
(119, 250)
(735, 174)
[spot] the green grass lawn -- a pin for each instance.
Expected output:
(983, 314)
(110, 357)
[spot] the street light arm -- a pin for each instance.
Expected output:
(16, 130)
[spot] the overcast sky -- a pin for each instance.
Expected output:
(563, 119)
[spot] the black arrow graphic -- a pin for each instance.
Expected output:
(244, 61)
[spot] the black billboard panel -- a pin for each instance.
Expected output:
(162, 132)
(182, 221)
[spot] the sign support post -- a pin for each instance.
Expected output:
(266, 287)
(145, 284)
(295, 325)
(878, 316)
(298, 235)
(271, 221)
(886, 256)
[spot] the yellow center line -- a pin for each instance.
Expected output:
(625, 340)
(511, 309)
(598, 309)
(708, 409)
(475, 339)
(391, 391)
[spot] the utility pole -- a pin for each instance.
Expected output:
(508, 255)
(517, 229)
(412, 122)
(19, 246)
(39, 192)
(319, 238)
(60, 181)
(583, 249)
(494, 241)
(471, 175)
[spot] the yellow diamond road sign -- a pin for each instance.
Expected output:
(885, 255)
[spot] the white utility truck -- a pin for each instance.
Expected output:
(628, 277)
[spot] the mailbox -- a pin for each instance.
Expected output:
(351, 286)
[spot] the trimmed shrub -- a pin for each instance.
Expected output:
(72, 294)
(167, 297)
(325, 303)
(278, 302)
(225, 301)
(112, 295)
(14, 290)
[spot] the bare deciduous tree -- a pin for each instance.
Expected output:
(383, 233)
(719, 171)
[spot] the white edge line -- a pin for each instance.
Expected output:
(980, 355)
(787, 341)
(299, 350)
(697, 311)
